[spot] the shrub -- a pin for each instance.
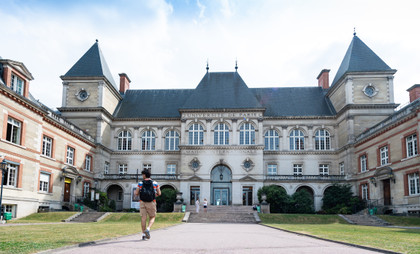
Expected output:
(302, 202)
(277, 198)
(165, 202)
(339, 199)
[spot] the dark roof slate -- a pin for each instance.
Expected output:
(152, 103)
(92, 64)
(359, 58)
(294, 101)
(221, 90)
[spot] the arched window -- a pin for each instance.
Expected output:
(221, 134)
(271, 140)
(322, 140)
(172, 141)
(148, 141)
(124, 141)
(195, 134)
(247, 134)
(297, 140)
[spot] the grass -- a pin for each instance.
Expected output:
(401, 220)
(44, 217)
(334, 228)
(35, 238)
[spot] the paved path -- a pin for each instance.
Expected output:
(216, 238)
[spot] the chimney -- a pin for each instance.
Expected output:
(414, 92)
(124, 83)
(323, 79)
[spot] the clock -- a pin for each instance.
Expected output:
(369, 90)
(82, 95)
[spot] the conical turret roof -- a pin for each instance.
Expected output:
(360, 58)
(91, 64)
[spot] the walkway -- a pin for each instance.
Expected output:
(216, 238)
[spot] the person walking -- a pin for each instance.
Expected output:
(148, 191)
(205, 205)
(197, 206)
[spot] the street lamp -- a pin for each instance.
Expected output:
(3, 168)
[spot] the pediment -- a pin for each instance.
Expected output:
(70, 170)
(195, 178)
(248, 179)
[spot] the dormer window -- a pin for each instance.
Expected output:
(16, 84)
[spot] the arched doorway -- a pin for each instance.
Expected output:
(165, 202)
(116, 193)
(221, 185)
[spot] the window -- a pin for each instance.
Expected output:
(365, 191)
(384, 155)
(221, 134)
(363, 163)
(86, 189)
(147, 167)
(195, 134)
(341, 165)
(122, 169)
(272, 169)
(106, 168)
(124, 141)
(70, 155)
(9, 209)
(14, 129)
(11, 176)
(88, 162)
(44, 182)
(16, 84)
(411, 145)
(247, 134)
(171, 169)
(271, 140)
(47, 146)
(323, 169)
(297, 169)
(413, 184)
(172, 141)
(297, 140)
(322, 140)
(148, 141)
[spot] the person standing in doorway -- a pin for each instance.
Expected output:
(197, 206)
(205, 205)
(148, 191)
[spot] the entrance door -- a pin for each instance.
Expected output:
(194, 194)
(66, 192)
(387, 192)
(221, 196)
(247, 195)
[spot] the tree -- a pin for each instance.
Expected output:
(302, 202)
(277, 198)
(340, 199)
(165, 202)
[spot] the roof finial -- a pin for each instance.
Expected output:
(96, 40)
(236, 64)
(207, 67)
(354, 31)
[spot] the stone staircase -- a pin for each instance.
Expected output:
(88, 217)
(365, 219)
(222, 214)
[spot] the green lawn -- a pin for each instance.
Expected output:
(35, 238)
(334, 228)
(44, 217)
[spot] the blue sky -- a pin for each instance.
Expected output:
(166, 44)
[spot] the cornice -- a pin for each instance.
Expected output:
(303, 152)
(221, 110)
(23, 101)
(86, 109)
(221, 147)
(137, 152)
(366, 106)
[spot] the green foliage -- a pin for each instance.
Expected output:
(277, 198)
(339, 199)
(269, 218)
(112, 205)
(302, 202)
(165, 202)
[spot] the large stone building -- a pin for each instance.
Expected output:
(221, 141)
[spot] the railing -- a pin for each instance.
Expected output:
(135, 176)
(305, 177)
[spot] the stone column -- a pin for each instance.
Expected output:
(349, 90)
(183, 133)
(391, 88)
(285, 141)
(260, 132)
(136, 142)
(311, 138)
(207, 141)
(159, 138)
(234, 132)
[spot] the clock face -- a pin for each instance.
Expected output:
(83, 95)
(370, 90)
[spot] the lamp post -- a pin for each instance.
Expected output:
(3, 167)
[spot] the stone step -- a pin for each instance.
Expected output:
(88, 217)
(222, 209)
(365, 219)
(221, 218)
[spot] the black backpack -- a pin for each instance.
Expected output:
(147, 192)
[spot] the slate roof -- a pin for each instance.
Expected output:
(221, 90)
(92, 64)
(360, 58)
(225, 90)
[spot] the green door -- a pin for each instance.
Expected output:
(221, 196)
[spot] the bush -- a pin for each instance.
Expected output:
(302, 202)
(339, 199)
(112, 205)
(165, 202)
(277, 198)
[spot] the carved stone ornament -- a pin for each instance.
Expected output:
(195, 164)
(82, 94)
(248, 164)
(370, 90)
